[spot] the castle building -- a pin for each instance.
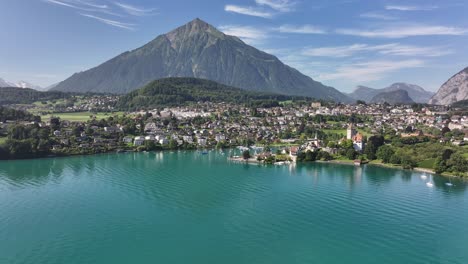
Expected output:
(356, 137)
(350, 132)
(358, 143)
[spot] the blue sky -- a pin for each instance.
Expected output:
(342, 43)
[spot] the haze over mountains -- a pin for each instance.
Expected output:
(392, 97)
(454, 90)
(20, 84)
(415, 92)
(199, 50)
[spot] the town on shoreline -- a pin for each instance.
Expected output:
(409, 136)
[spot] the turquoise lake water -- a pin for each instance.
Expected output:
(184, 207)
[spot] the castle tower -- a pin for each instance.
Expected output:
(350, 132)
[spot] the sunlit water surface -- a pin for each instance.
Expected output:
(185, 207)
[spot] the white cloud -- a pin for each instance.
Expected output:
(247, 10)
(91, 4)
(110, 22)
(370, 71)
(278, 5)
(410, 8)
(305, 29)
(394, 49)
(65, 4)
(339, 51)
(135, 11)
(409, 50)
(263, 8)
(91, 7)
(377, 15)
(83, 6)
(403, 31)
(248, 34)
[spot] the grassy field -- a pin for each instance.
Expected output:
(335, 131)
(81, 116)
(343, 132)
(364, 133)
(427, 164)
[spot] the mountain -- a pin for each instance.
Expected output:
(364, 93)
(4, 83)
(183, 90)
(198, 50)
(415, 92)
(454, 90)
(20, 84)
(50, 87)
(23, 84)
(17, 95)
(392, 97)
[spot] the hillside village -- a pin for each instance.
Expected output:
(208, 124)
(293, 127)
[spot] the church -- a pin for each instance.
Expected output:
(356, 137)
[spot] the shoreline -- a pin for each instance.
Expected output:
(248, 161)
(391, 166)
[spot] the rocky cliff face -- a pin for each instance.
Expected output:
(454, 90)
(199, 50)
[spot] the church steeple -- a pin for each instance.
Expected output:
(350, 132)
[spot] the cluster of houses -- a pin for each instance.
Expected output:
(209, 124)
(81, 103)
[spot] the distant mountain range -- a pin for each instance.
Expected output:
(20, 84)
(18, 95)
(415, 92)
(392, 97)
(454, 90)
(199, 50)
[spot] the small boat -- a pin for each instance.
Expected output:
(204, 152)
(430, 184)
(424, 176)
(449, 184)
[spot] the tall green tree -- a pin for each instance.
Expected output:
(246, 154)
(385, 153)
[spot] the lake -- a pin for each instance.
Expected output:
(185, 207)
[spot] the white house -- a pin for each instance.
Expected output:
(111, 129)
(220, 137)
(150, 138)
(127, 139)
(139, 140)
(188, 139)
(202, 141)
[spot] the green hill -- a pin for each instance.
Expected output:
(15, 95)
(180, 91)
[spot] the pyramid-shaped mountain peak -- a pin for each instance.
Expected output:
(193, 27)
(199, 22)
(197, 49)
